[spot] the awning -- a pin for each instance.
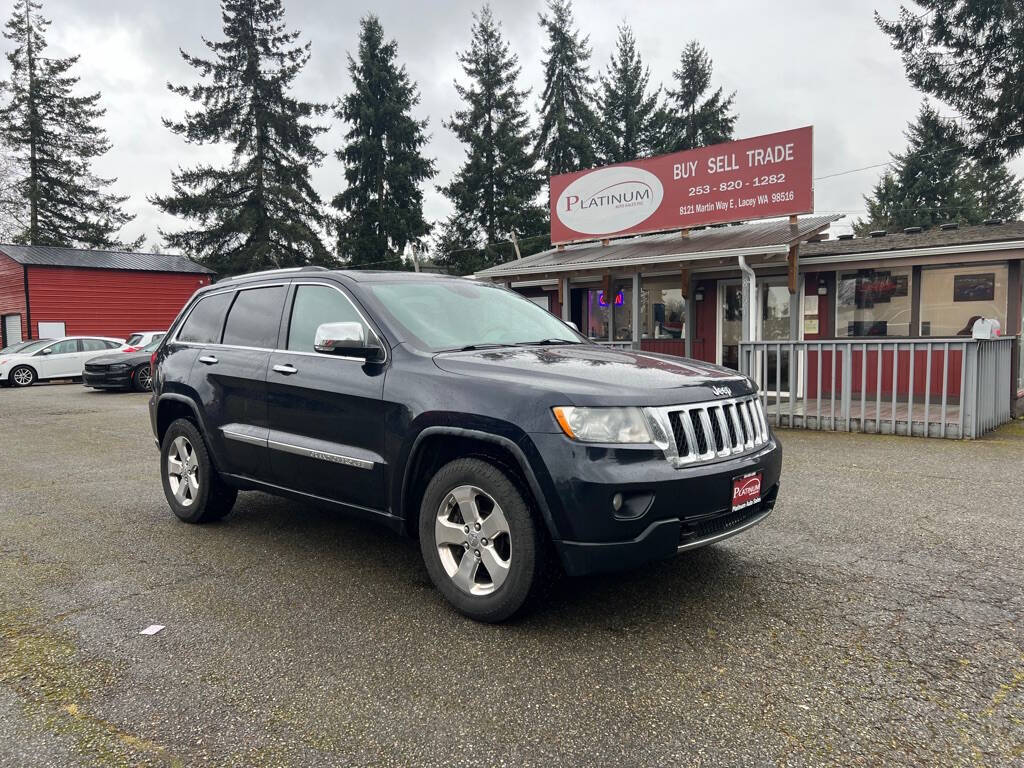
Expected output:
(663, 250)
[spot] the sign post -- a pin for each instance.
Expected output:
(757, 178)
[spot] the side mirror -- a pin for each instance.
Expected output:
(572, 325)
(348, 340)
(46, 351)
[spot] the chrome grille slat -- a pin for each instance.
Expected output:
(710, 431)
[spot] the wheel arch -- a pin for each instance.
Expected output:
(35, 372)
(436, 446)
(170, 408)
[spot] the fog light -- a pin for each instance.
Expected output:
(617, 502)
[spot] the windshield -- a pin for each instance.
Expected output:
(134, 339)
(25, 347)
(451, 315)
(151, 347)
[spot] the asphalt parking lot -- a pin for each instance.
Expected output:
(876, 617)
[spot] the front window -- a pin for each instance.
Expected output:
(874, 302)
(315, 305)
(453, 314)
(662, 308)
(66, 347)
(952, 299)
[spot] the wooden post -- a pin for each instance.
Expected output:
(684, 282)
(606, 287)
(794, 269)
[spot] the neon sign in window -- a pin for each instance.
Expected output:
(603, 301)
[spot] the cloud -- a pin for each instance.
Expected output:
(791, 63)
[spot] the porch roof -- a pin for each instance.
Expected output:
(761, 237)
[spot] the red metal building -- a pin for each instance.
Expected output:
(108, 293)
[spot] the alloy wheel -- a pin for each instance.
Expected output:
(183, 471)
(473, 540)
(23, 377)
(145, 378)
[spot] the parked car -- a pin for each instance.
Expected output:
(460, 413)
(55, 359)
(19, 346)
(140, 339)
(120, 370)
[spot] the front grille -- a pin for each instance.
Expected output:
(712, 526)
(711, 431)
(95, 368)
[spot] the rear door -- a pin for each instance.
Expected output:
(91, 348)
(326, 411)
(231, 379)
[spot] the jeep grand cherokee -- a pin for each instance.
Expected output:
(460, 413)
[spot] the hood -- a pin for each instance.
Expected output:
(115, 358)
(593, 372)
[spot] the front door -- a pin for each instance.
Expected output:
(775, 326)
(58, 360)
(326, 411)
(730, 322)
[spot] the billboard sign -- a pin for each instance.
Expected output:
(754, 178)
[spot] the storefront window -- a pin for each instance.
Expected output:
(873, 302)
(952, 299)
(597, 315)
(623, 309)
(662, 308)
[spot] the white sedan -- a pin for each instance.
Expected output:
(53, 359)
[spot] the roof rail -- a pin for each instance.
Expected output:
(279, 271)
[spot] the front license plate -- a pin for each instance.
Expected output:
(746, 490)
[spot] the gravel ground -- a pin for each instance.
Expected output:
(875, 617)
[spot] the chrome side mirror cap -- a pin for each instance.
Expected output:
(572, 325)
(347, 340)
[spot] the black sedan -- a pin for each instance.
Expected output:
(121, 370)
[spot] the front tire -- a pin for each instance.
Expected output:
(142, 378)
(194, 490)
(22, 376)
(480, 542)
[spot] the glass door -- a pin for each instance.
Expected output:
(774, 325)
(730, 322)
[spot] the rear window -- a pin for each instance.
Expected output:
(205, 321)
(255, 317)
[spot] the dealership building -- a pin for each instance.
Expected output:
(46, 292)
(871, 333)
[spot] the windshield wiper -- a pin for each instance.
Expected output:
(547, 342)
(473, 347)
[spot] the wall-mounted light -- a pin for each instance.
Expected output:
(698, 295)
(822, 287)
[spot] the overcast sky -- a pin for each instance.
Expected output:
(791, 63)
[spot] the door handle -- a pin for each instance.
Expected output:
(287, 370)
(208, 360)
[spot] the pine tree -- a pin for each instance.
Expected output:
(495, 191)
(53, 136)
(630, 118)
(935, 180)
(260, 210)
(13, 204)
(970, 55)
(382, 207)
(568, 123)
(691, 118)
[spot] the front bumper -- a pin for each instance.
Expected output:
(667, 510)
(107, 379)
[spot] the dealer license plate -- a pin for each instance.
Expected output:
(746, 490)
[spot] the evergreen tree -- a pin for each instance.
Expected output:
(691, 118)
(54, 137)
(969, 54)
(13, 208)
(935, 181)
(568, 123)
(260, 210)
(495, 191)
(630, 119)
(382, 207)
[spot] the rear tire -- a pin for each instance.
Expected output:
(194, 490)
(22, 376)
(142, 379)
(480, 542)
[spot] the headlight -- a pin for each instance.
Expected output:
(603, 425)
(120, 367)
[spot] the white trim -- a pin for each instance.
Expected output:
(938, 250)
(534, 283)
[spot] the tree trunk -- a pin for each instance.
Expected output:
(33, 131)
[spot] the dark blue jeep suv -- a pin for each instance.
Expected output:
(460, 413)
